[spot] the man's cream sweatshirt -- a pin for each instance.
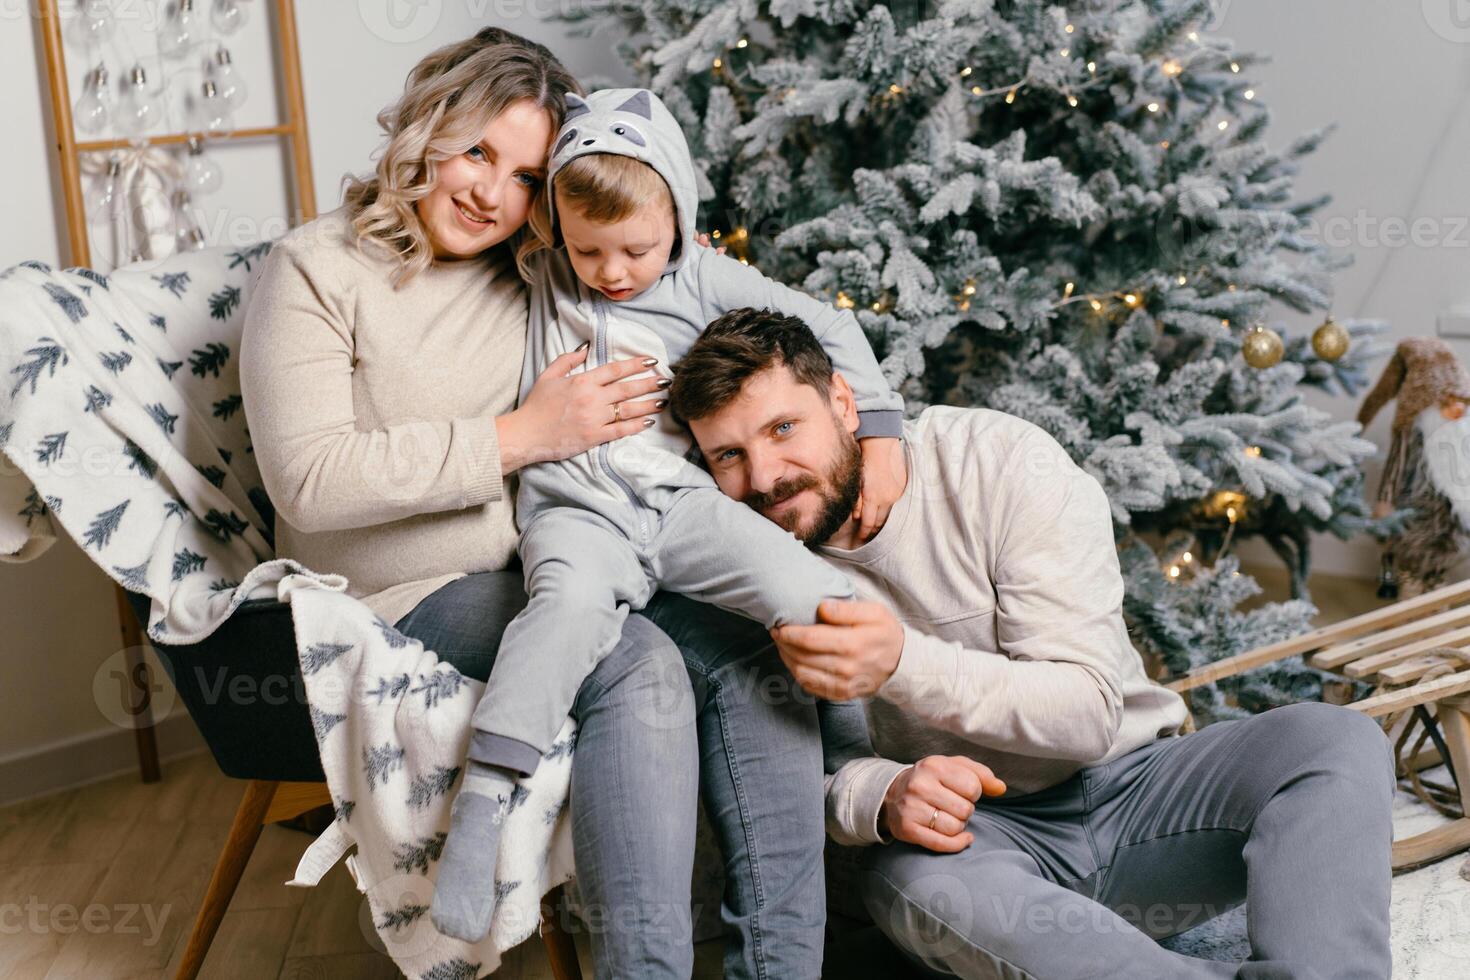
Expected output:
(999, 561)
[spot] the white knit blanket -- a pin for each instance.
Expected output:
(122, 421)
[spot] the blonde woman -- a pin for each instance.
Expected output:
(380, 366)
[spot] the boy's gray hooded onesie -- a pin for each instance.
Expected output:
(603, 530)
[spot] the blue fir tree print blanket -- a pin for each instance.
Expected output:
(122, 423)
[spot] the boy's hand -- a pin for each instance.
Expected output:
(703, 239)
(884, 472)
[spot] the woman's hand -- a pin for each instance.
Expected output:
(930, 802)
(565, 414)
(884, 475)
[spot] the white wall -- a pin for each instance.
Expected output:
(1396, 86)
(1395, 77)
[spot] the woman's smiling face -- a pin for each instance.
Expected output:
(483, 196)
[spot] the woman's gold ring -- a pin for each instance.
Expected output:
(934, 818)
(617, 412)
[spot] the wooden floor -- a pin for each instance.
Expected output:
(103, 881)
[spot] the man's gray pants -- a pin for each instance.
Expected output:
(583, 574)
(1287, 811)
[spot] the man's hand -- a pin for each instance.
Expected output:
(703, 239)
(884, 476)
(851, 650)
(930, 802)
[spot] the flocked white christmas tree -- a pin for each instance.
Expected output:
(1067, 213)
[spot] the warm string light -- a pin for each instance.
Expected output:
(736, 240)
(1009, 90)
(1132, 299)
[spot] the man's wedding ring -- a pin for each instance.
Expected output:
(934, 818)
(617, 412)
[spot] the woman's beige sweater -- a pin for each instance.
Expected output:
(372, 412)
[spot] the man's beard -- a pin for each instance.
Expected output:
(838, 492)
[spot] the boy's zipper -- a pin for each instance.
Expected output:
(602, 454)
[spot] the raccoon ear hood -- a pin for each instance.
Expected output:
(631, 122)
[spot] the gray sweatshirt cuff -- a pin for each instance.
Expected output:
(504, 751)
(883, 424)
(855, 800)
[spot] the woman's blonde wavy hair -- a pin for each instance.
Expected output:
(449, 98)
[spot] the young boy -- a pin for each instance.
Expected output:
(602, 531)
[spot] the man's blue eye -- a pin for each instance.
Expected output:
(727, 454)
(784, 425)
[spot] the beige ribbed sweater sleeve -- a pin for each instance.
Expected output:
(322, 471)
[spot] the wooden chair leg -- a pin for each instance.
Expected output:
(561, 950)
(244, 832)
(144, 734)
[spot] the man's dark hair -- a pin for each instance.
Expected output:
(737, 346)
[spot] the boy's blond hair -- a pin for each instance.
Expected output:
(608, 187)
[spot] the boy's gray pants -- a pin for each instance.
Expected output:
(584, 573)
(1288, 811)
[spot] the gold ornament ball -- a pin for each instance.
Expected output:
(1330, 341)
(1262, 348)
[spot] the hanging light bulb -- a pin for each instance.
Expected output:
(201, 174)
(179, 30)
(104, 197)
(90, 112)
(136, 111)
(227, 80)
(93, 24)
(228, 16)
(187, 236)
(209, 113)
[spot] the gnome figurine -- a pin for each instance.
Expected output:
(1428, 465)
